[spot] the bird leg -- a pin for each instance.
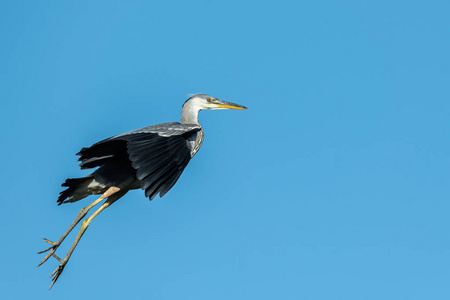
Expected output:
(83, 212)
(113, 198)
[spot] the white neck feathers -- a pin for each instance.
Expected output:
(189, 113)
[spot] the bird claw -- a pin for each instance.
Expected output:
(52, 250)
(53, 245)
(60, 268)
(57, 273)
(50, 242)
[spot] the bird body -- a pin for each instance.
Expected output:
(151, 158)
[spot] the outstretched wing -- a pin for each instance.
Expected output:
(158, 153)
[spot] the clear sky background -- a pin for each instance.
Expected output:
(334, 184)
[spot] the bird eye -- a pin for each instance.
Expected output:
(209, 100)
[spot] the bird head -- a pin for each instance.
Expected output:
(202, 101)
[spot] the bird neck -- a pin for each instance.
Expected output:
(189, 113)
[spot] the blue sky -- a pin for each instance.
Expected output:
(334, 184)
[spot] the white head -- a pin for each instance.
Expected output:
(198, 102)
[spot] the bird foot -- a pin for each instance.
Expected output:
(55, 275)
(52, 250)
(57, 272)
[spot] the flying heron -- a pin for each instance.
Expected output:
(151, 158)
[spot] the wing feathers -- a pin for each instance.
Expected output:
(159, 164)
(155, 187)
(158, 153)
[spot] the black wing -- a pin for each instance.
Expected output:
(158, 153)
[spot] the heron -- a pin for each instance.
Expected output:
(151, 158)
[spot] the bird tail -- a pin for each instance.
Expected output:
(77, 189)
